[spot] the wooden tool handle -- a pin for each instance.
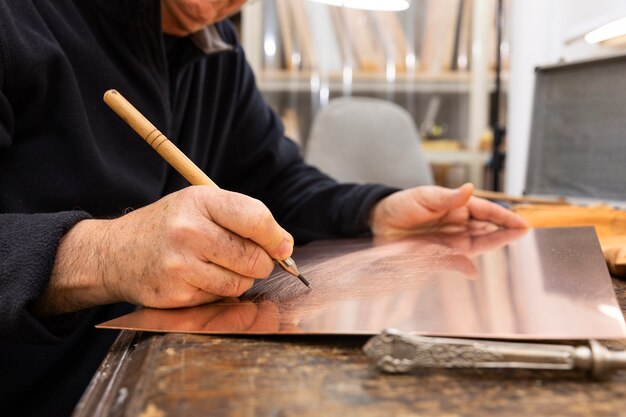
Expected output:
(156, 139)
(493, 195)
(172, 154)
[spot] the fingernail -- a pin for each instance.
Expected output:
(458, 189)
(491, 227)
(286, 248)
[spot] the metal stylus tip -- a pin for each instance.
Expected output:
(304, 281)
(289, 265)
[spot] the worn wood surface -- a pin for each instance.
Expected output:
(609, 223)
(154, 375)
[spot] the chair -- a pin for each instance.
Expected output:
(369, 140)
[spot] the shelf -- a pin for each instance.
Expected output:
(304, 81)
(460, 156)
(474, 160)
(301, 81)
(466, 93)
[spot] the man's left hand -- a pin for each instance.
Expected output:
(433, 208)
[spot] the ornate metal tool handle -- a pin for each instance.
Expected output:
(396, 352)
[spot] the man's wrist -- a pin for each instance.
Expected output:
(80, 272)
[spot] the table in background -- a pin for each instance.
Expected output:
(167, 375)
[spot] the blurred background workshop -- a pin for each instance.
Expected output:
(523, 98)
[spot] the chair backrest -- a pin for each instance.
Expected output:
(369, 140)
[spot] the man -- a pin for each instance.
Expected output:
(70, 169)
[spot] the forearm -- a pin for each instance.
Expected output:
(305, 201)
(308, 203)
(191, 247)
(78, 278)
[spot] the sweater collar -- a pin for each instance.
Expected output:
(210, 41)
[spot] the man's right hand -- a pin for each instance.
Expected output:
(191, 247)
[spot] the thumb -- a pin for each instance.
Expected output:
(443, 199)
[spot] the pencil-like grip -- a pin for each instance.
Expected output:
(171, 153)
(156, 139)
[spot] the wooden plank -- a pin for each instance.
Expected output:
(303, 34)
(609, 223)
(395, 40)
(382, 34)
(492, 33)
(457, 36)
(198, 376)
(506, 35)
(369, 54)
(251, 34)
(344, 39)
(409, 24)
(287, 35)
(418, 13)
(494, 195)
(325, 42)
(463, 57)
(126, 366)
(439, 35)
(273, 55)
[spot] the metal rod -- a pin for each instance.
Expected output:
(497, 158)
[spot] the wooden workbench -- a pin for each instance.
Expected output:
(166, 375)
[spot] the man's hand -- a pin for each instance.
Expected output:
(432, 208)
(189, 248)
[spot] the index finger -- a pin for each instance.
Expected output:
(495, 240)
(481, 209)
(248, 218)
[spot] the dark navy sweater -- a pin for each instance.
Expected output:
(64, 157)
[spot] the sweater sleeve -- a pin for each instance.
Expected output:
(308, 203)
(28, 246)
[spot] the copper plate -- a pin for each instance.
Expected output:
(514, 284)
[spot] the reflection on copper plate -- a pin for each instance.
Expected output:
(516, 284)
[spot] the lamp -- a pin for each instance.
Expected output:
(607, 29)
(613, 33)
(385, 5)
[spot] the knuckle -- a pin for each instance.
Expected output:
(258, 212)
(185, 298)
(173, 267)
(183, 198)
(243, 285)
(179, 227)
(228, 204)
(187, 192)
(197, 198)
(233, 286)
(220, 285)
(261, 220)
(259, 264)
